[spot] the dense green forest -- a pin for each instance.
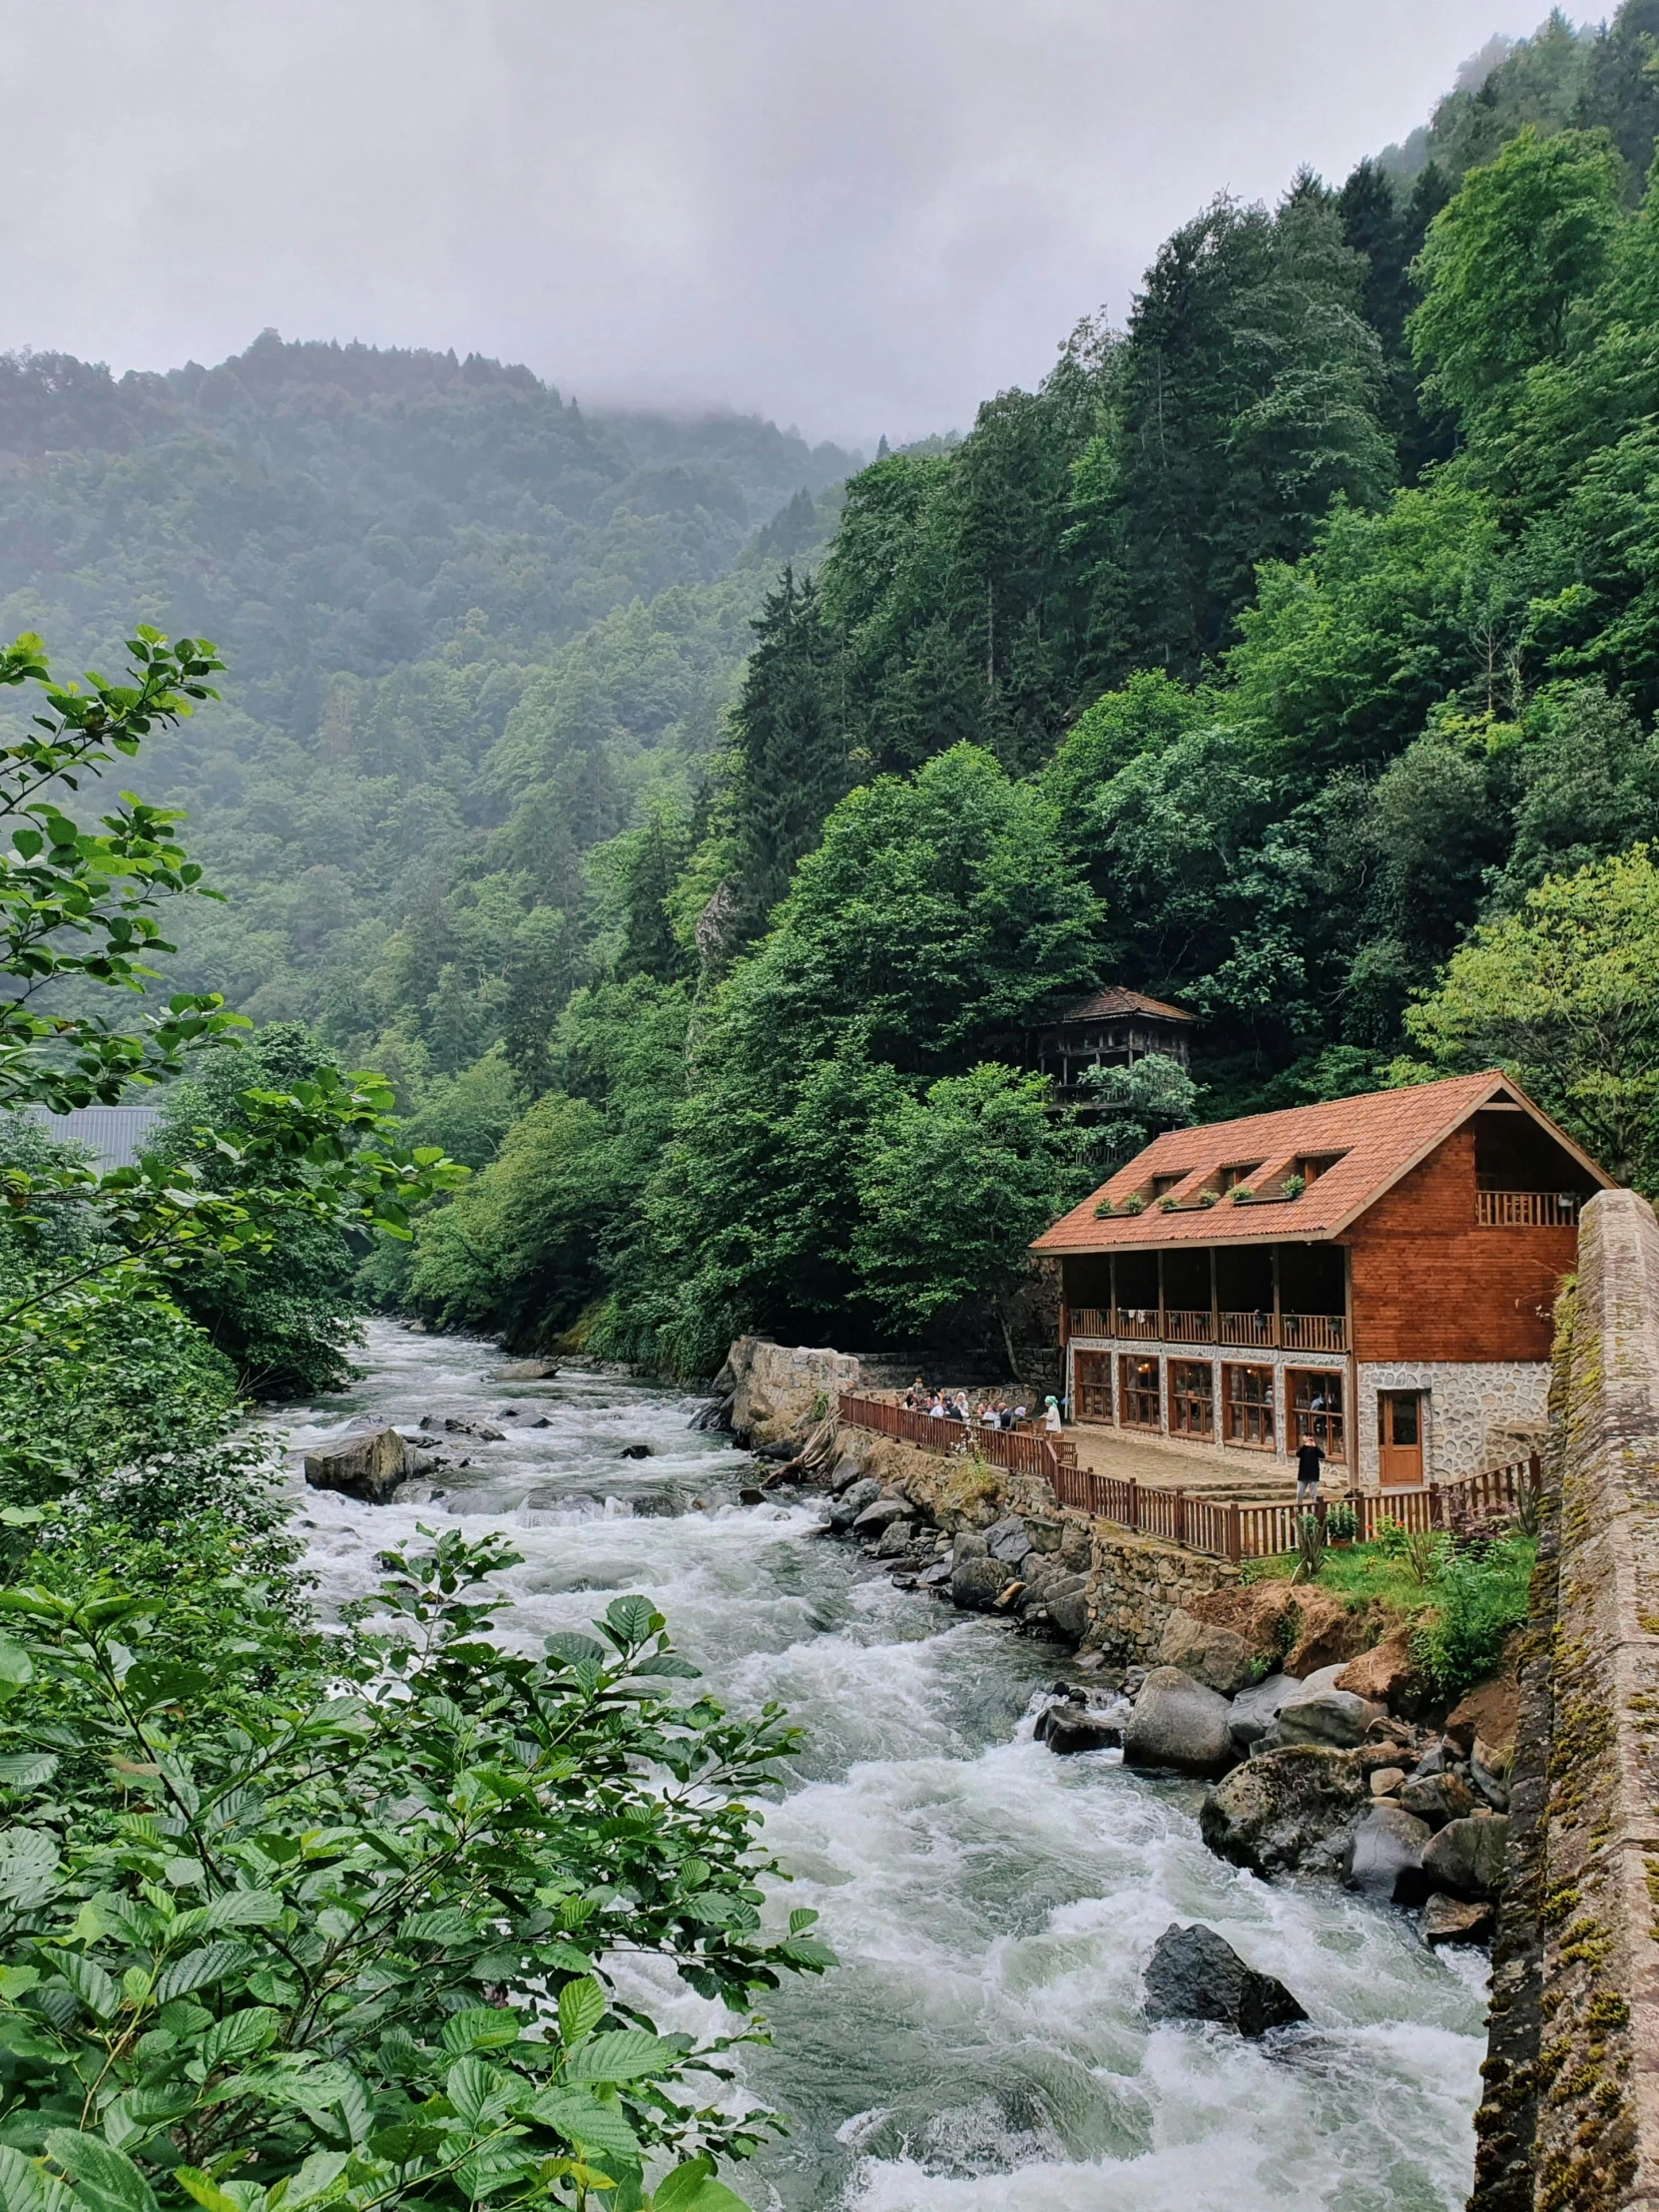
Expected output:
(1291, 653)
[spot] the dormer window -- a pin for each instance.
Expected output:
(1241, 1171)
(1162, 1185)
(1311, 1165)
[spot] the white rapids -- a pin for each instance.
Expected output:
(980, 2049)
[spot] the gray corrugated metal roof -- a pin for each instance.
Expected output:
(116, 1134)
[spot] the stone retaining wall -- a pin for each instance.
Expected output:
(1571, 2120)
(1134, 1584)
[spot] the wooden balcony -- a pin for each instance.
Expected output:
(1324, 1334)
(1528, 1209)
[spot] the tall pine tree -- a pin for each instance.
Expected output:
(790, 748)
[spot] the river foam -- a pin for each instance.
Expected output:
(980, 2049)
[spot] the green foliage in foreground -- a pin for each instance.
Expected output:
(345, 1942)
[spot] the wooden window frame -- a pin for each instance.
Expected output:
(1241, 1414)
(1093, 1386)
(1183, 1399)
(1336, 1424)
(1146, 1398)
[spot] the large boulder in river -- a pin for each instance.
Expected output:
(526, 1370)
(1254, 1710)
(1180, 1724)
(853, 1502)
(1218, 1657)
(1467, 1857)
(1196, 1974)
(1384, 1859)
(1286, 1809)
(1336, 1718)
(978, 1583)
(367, 1463)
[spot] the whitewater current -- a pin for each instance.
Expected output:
(980, 2047)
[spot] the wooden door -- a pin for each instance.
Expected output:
(1400, 1437)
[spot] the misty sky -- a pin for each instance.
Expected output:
(854, 214)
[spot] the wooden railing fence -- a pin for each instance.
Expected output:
(1222, 1528)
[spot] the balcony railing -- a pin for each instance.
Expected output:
(1196, 1324)
(1526, 1209)
(1189, 1325)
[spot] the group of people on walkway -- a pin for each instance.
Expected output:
(988, 1412)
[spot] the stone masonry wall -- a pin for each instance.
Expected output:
(1481, 1415)
(1571, 2120)
(781, 1390)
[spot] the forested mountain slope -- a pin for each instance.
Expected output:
(408, 561)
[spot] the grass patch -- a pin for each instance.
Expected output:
(1461, 1611)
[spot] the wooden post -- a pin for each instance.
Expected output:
(1273, 1255)
(1162, 1330)
(1112, 1297)
(1214, 1302)
(1134, 1504)
(1234, 1534)
(1180, 1516)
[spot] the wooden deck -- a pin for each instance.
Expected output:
(1206, 1471)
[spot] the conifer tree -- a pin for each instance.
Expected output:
(790, 751)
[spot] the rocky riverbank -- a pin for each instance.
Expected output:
(1306, 1714)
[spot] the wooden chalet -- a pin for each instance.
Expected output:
(1379, 1273)
(1112, 1027)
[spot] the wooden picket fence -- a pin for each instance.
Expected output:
(1221, 1528)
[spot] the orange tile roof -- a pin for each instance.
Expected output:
(1381, 1136)
(1114, 998)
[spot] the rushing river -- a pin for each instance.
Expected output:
(980, 2049)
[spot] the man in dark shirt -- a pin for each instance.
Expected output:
(1308, 1458)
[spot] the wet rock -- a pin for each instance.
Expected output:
(934, 1577)
(1008, 1541)
(453, 1426)
(851, 1502)
(1457, 1920)
(881, 1513)
(544, 1422)
(968, 1543)
(1068, 1607)
(367, 1465)
(976, 1584)
(1218, 1657)
(1467, 1857)
(636, 1451)
(525, 1370)
(1487, 1774)
(1257, 1709)
(897, 1540)
(1286, 1809)
(845, 1472)
(751, 1498)
(717, 1415)
(1069, 1724)
(416, 1493)
(1196, 1974)
(1179, 1723)
(1384, 1859)
(1438, 1798)
(1336, 1718)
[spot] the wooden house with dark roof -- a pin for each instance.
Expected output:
(1112, 1027)
(1377, 1271)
